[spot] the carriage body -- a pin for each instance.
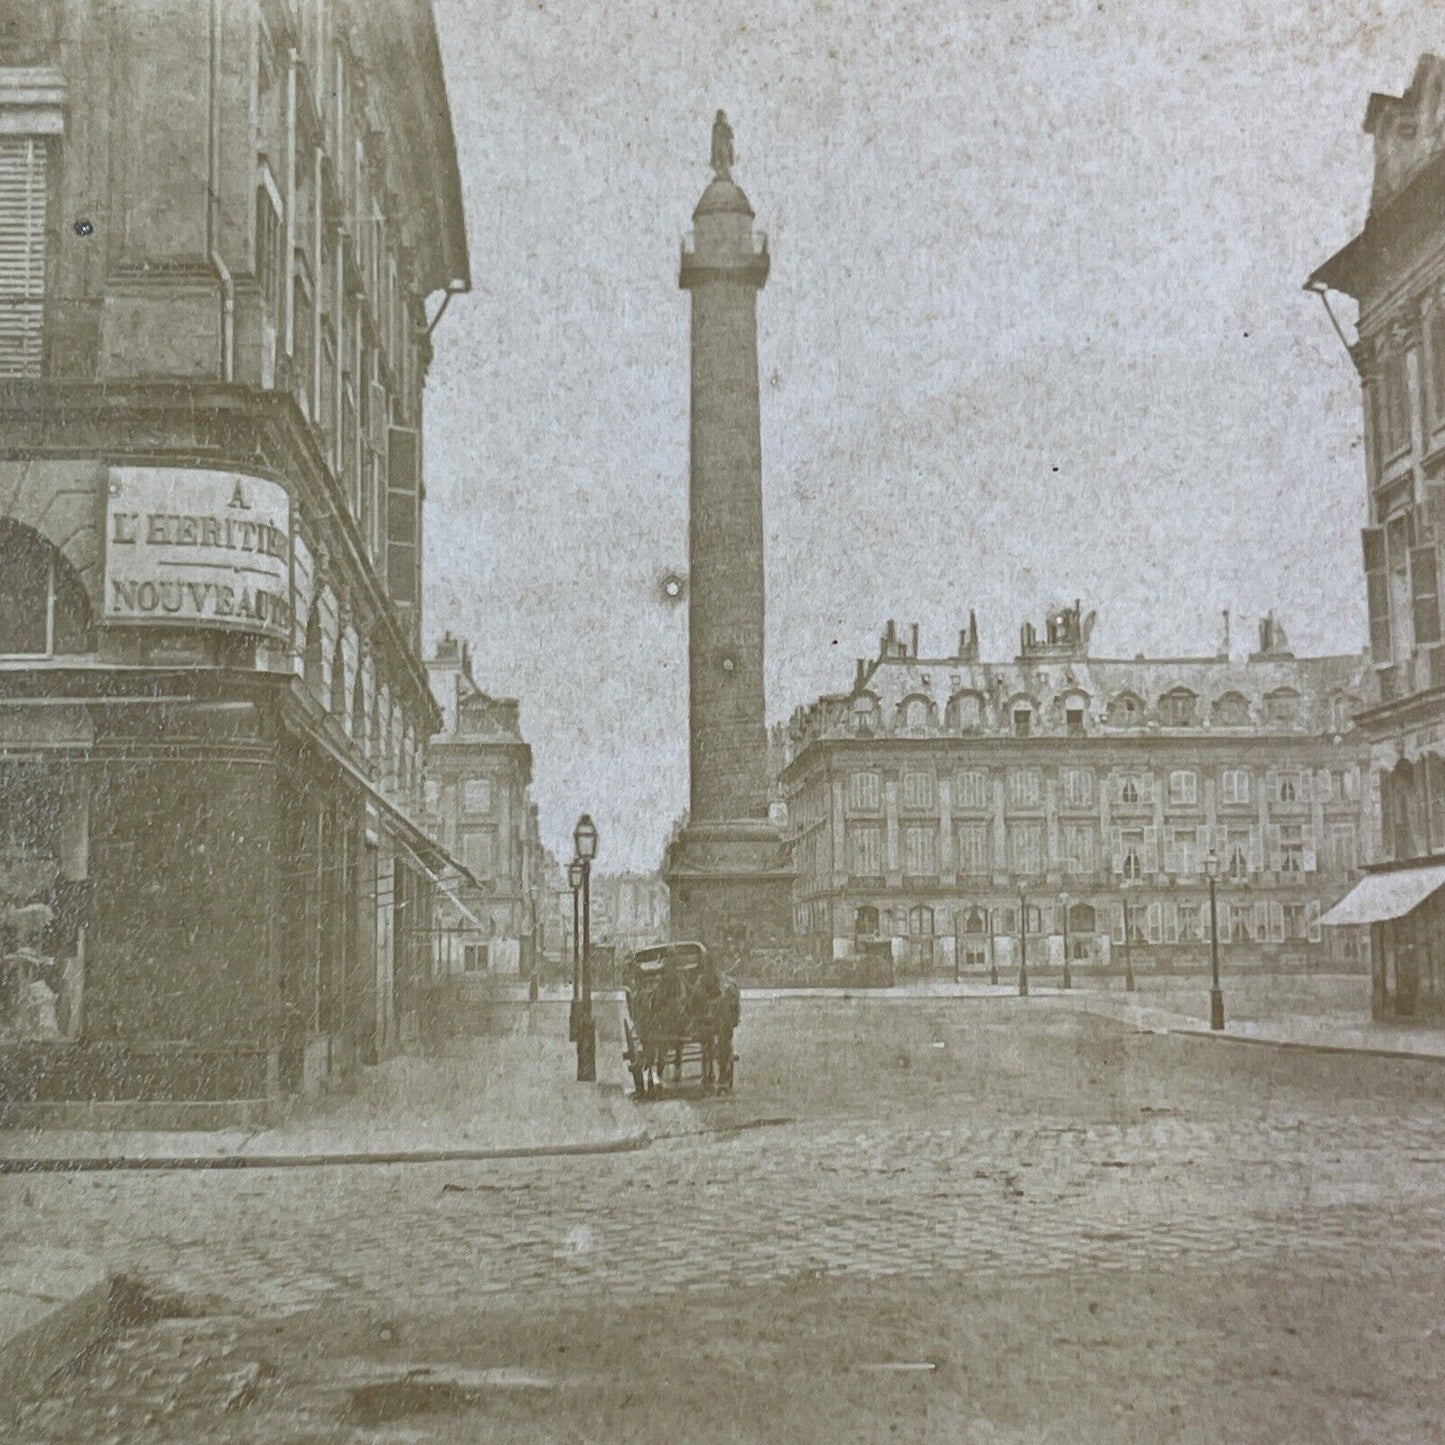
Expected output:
(676, 1007)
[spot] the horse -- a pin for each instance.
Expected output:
(715, 1008)
(657, 1019)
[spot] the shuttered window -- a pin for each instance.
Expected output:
(22, 255)
(1377, 589)
(1425, 588)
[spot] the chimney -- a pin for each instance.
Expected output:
(890, 636)
(915, 639)
(860, 673)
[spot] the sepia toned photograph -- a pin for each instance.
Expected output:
(720, 722)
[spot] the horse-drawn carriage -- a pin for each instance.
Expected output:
(679, 1008)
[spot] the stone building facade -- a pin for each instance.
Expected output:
(479, 804)
(220, 222)
(1394, 269)
(941, 800)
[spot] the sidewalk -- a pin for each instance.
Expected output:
(489, 1097)
(1348, 1033)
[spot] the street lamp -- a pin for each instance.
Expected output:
(1064, 916)
(584, 838)
(992, 956)
(574, 878)
(1216, 996)
(1023, 946)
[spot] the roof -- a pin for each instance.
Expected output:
(723, 197)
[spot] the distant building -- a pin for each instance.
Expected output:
(629, 910)
(1395, 269)
(220, 227)
(479, 775)
(928, 800)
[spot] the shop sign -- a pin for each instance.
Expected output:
(191, 548)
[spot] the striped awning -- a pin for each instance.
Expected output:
(1379, 897)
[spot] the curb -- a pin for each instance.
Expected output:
(103, 1163)
(1305, 1045)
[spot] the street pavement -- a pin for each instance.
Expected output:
(1064, 1228)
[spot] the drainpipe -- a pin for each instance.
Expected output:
(213, 205)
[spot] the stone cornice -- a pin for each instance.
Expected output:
(32, 101)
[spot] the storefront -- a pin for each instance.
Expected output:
(1403, 907)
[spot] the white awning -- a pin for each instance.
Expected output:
(1378, 897)
(462, 911)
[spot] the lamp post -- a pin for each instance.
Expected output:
(584, 837)
(992, 956)
(1023, 946)
(1064, 928)
(1216, 995)
(574, 878)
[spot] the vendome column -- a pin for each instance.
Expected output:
(728, 871)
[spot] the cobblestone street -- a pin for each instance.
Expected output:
(997, 1151)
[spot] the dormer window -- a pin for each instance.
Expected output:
(1176, 708)
(1232, 710)
(1282, 707)
(1023, 720)
(1126, 711)
(865, 715)
(915, 714)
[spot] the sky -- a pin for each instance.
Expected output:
(1034, 331)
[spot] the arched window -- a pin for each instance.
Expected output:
(1126, 711)
(1282, 707)
(44, 610)
(1082, 918)
(915, 714)
(1231, 710)
(975, 920)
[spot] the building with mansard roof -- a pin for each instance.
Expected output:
(942, 800)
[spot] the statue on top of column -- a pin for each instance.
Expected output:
(722, 147)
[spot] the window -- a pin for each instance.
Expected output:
(971, 790)
(966, 710)
(865, 852)
(1026, 847)
(479, 847)
(1295, 925)
(1025, 786)
(474, 957)
(915, 714)
(1126, 711)
(44, 609)
(1023, 721)
(477, 795)
(920, 852)
(1079, 847)
(1392, 406)
(1184, 846)
(1291, 848)
(865, 922)
(1234, 786)
(1132, 852)
(865, 715)
(22, 255)
(1176, 708)
(1236, 854)
(1343, 848)
(1074, 721)
(1292, 787)
(1191, 923)
(864, 792)
(1184, 788)
(1232, 710)
(1282, 707)
(974, 852)
(919, 793)
(1239, 922)
(1436, 328)
(1077, 786)
(431, 794)
(1133, 790)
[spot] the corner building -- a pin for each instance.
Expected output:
(1394, 269)
(945, 804)
(220, 222)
